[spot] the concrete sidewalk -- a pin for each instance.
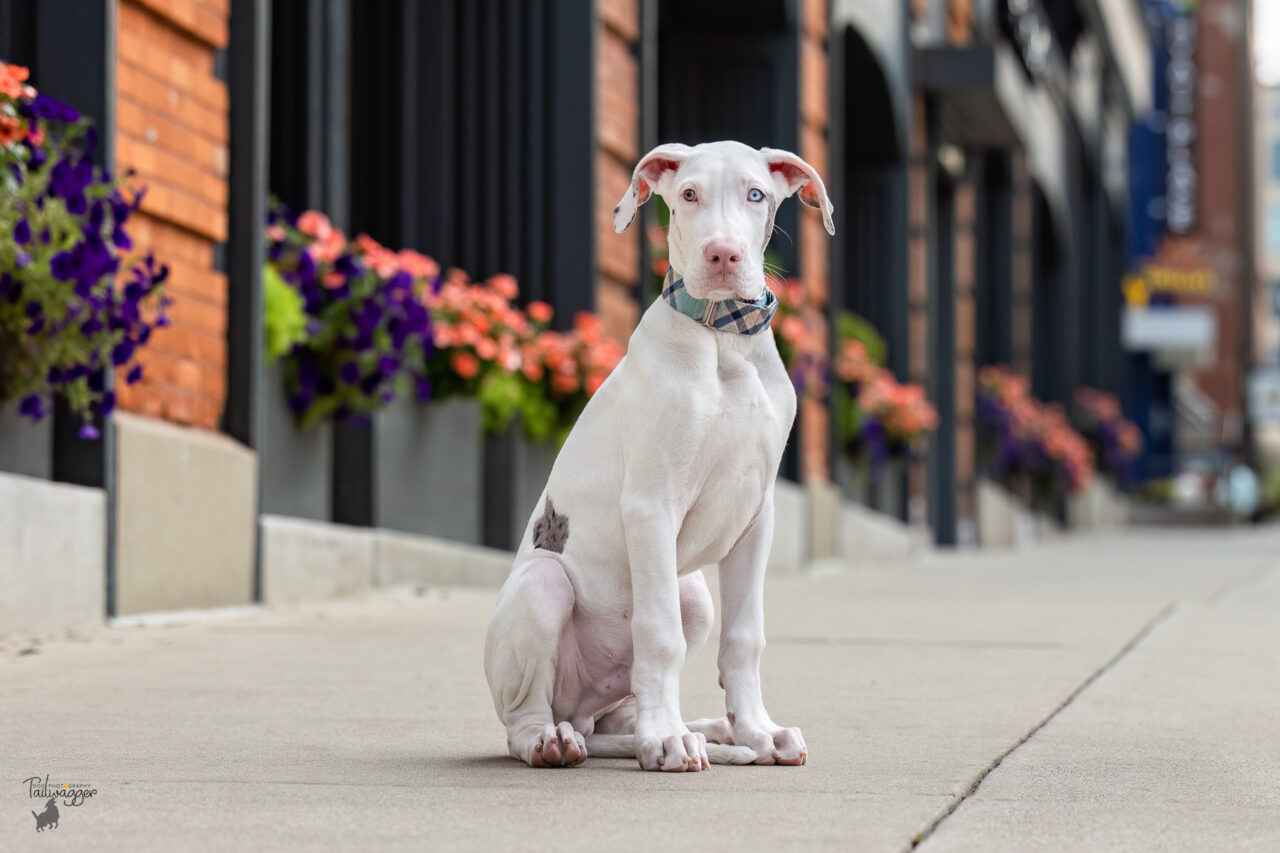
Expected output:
(1124, 689)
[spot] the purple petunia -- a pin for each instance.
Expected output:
(32, 406)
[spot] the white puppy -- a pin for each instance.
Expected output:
(671, 468)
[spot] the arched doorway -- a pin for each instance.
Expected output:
(869, 267)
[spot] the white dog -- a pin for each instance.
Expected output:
(670, 468)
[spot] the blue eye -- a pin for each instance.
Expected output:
(755, 195)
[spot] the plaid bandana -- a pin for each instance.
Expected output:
(729, 315)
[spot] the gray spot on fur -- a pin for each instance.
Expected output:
(551, 532)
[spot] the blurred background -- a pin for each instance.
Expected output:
(1050, 304)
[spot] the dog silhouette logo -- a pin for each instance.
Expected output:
(49, 817)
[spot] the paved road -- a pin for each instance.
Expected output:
(1118, 692)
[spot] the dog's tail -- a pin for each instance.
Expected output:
(624, 746)
(36, 816)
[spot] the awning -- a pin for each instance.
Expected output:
(981, 92)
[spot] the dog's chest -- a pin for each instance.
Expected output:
(741, 438)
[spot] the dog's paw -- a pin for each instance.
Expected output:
(677, 753)
(779, 746)
(559, 746)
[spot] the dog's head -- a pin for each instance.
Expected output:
(723, 197)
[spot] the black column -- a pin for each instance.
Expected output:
(942, 347)
(74, 61)
(994, 279)
(570, 183)
(248, 68)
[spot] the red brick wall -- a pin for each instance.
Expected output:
(171, 130)
(1020, 188)
(918, 202)
(617, 103)
(814, 242)
(1218, 239)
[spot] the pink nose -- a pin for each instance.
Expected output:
(722, 256)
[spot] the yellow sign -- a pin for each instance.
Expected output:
(1135, 291)
(1139, 286)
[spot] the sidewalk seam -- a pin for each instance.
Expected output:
(1145, 631)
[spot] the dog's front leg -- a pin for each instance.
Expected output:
(663, 742)
(742, 645)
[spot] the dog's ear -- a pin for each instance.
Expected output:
(795, 174)
(652, 168)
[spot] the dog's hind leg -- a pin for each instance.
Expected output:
(520, 660)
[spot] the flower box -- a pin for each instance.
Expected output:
(515, 473)
(26, 448)
(297, 464)
(429, 469)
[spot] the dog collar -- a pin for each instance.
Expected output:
(726, 315)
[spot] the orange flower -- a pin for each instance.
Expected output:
(540, 311)
(593, 383)
(588, 327)
(564, 383)
(275, 232)
(505, 285)
(417, 265)
(10, 130)
(487, 349)
(11, 79)
(465, 364)
(660, 266)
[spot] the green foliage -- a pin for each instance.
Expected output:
(850, 326)
(503, 396)
(284, 315)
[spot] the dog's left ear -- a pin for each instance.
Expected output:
(650, 171)
(795, 174)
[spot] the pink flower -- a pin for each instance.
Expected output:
(315, 224)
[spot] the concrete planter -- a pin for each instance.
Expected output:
(791, 530)
(428, 475)
(999, 512)
(297, 465)
(308, 560)
(1098, 507)
(26, 448)
(884, 494)
(186, 507)
(515, 473)
(52, 557)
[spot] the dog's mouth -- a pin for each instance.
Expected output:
(719, 288)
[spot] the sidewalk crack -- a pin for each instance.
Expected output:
(972, 788)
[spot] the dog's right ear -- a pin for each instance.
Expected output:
(653, 167)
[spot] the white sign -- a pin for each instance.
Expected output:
(1179, 336)
(1180, 133)
(1264, 395)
